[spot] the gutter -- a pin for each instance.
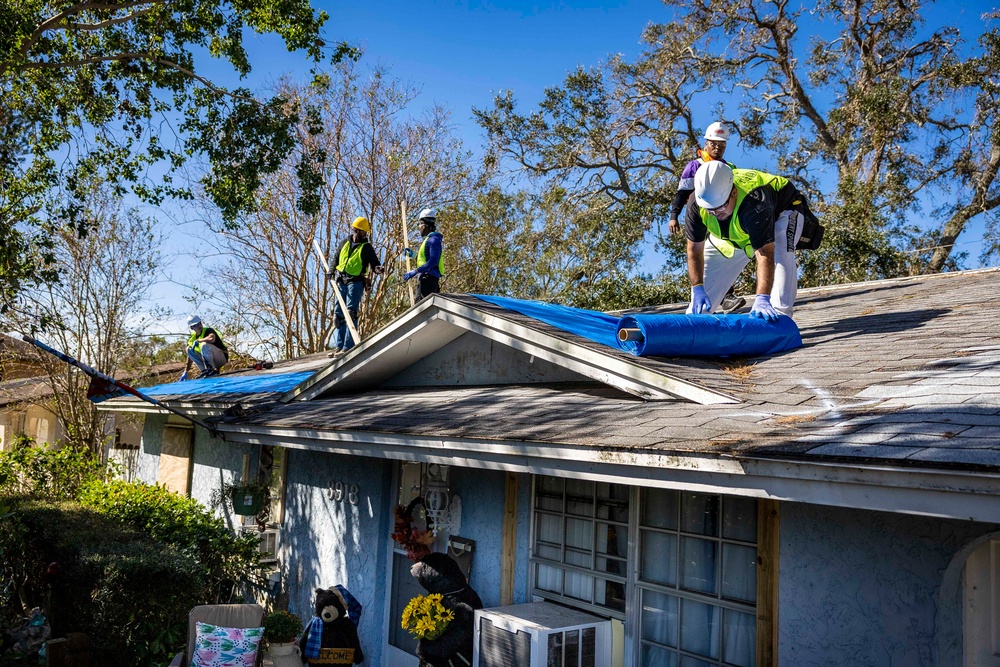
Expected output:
(945, 494)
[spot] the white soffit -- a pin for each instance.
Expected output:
(437, 321)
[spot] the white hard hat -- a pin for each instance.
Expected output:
(193, 321)
(712, 184)
(427, 214)
(717, 132)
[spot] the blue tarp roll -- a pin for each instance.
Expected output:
(709, 335)
(666, 335)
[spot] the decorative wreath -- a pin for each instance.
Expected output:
(416, 542)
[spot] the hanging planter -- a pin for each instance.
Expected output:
(244, 498)
(246, 502)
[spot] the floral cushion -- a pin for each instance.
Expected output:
(215, 646)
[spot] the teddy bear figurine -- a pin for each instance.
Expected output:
(439, 573)
(331, 638)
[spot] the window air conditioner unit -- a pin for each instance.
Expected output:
(540, 634)
(268, 544)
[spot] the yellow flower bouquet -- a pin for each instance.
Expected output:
(425, 617)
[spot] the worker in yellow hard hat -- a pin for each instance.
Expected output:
(355, 258)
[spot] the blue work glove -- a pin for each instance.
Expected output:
(763, 309)
(700, 302)
(409, 252)
(409, 274)
(184, 376)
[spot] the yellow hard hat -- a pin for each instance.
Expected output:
(361, 222)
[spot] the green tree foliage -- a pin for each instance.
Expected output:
(95, 311)
(550, 246)
(95, 88)
(880, 103)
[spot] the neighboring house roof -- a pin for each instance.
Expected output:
(36, 389)
(892, 402)
(19, 359)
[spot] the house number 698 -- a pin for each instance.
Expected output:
(336, 490)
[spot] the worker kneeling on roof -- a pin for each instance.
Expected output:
(205, 349)
(744, 213)
(354, 259)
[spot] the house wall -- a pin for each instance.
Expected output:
(868, 588)
(326, 542)
(482, 493)
(42, 425)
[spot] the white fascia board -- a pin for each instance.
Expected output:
(425, 330)
(969, 496)
(194, 409)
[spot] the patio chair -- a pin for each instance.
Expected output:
(225, 615)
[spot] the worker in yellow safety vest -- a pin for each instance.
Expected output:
(355, 258)
(430, 260)
(742, 214)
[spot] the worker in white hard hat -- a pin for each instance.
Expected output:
(356, 262)
(430, 262)
(205, 349)
(739, 214)
(716, 139)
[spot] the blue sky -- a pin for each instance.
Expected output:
(461, 54)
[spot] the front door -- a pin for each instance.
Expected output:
(400, 646)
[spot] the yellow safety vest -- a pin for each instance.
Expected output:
(422, 256)
(745, 180)
(350, 262)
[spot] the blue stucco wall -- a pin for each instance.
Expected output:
(482, 493)
(325, 542)
(864, 588)
(215, 462)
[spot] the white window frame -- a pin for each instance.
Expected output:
(633, 584)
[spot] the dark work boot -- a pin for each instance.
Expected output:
(732, 303)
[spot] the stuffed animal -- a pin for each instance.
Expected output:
(439, 573)
(331, 637)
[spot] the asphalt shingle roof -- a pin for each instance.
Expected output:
(902, 371)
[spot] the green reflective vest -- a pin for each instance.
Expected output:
(745, 180)
(350, 262)
(422, 255)
(204, 332)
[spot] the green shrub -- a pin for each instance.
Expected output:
(226, 561)
(129, 592)
(54, 474)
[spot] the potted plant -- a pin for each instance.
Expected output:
(281, 629)
(243, 497)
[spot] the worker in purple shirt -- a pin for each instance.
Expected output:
(716, 137)
(430, 263)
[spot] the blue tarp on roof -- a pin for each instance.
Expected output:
(232, 384)
(591, 324)
(666, 335)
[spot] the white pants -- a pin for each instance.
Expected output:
(721, 272)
